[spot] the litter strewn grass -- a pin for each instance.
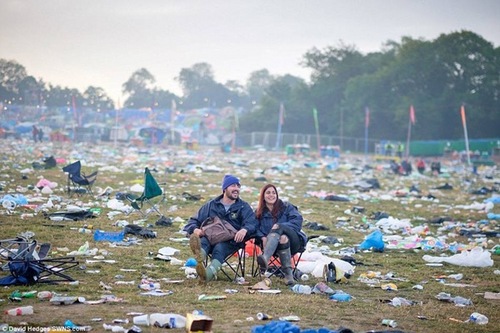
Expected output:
(237, 313)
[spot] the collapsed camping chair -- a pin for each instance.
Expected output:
(29, 263)
(151, 190)
(274, 264)
(78, 182)
(16, 248)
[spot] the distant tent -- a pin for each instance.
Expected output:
(152, 134)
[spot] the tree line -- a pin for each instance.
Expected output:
(436, 77)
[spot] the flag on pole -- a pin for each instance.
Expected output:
(316, 124)
(464, 124)
(367, 124)
(315, 115)
(462, 113)
(282, 114)
(75, 112)
(412, 115)
(173, 112)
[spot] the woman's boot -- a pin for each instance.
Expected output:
(286, 265)
(269, 249)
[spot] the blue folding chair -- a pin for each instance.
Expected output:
(78, 182)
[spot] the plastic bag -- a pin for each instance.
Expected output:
(374, 241)
(477, 257)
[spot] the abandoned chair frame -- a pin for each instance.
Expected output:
(23, 251)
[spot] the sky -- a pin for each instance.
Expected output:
(78, 43)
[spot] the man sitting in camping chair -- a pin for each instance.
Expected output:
(229, 207)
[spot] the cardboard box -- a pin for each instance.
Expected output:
(196, 323)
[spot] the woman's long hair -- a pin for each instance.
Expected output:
(261, 206)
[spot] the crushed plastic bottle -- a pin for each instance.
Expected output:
(45, 295)
(167, 320)
(150, 286)
(301, 289)
(458, 300)
(457, 277)
(478, 318)
(389, 322)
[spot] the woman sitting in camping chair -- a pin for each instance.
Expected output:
(280, 231)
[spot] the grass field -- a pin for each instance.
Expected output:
(200, 173)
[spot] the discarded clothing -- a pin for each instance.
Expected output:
(70, 215)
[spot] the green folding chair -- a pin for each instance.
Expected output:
(151, 190)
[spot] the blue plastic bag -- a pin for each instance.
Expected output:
(373, 241)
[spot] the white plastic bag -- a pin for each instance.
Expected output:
(477, 257)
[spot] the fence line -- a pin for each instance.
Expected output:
(268, 141)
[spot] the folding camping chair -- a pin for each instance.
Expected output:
(78, 182)
(233, 266)
(151, 190)
(274, 264)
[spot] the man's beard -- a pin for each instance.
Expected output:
(233, 195)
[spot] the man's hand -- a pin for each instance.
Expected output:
(240, 235)
(198, 232)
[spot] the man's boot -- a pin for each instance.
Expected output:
(269, 249)
(286, 265)
(200, 255)
(212, 270)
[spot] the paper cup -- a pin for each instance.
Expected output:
(142, 320)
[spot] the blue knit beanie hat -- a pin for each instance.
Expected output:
(228, 181)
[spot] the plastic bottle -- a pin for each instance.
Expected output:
(167, 320)
(389, 322)
(84, 231)
(150, 286)
(29, 294)
(478, 318)
(457, 277)
(45, 295)
(20, 311)
(301, 289)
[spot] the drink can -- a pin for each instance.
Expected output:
(263, 316)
